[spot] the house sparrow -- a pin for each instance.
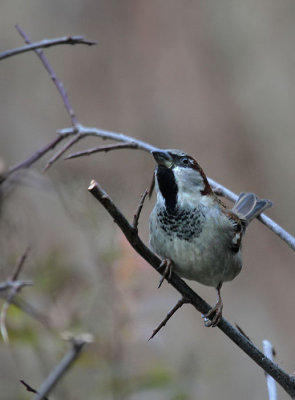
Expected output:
(192, 230)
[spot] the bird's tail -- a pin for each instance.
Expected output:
(249, 206)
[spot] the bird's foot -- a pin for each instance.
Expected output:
(167, 271)
(214, 315)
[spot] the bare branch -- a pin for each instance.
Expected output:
(62, 151)
(105, 134)
(53, 76)
(46, 43)
(28, 309)
(271, 384)
(285, 380)
(99, 149)
(139, 208)
(177, 306)
(32, 159)
(58, 372)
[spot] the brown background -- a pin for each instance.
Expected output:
(213, 78)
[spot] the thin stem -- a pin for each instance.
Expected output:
(53, 76)
(58, 372)
(139, 209)
(99, 149)
(271, 384)
(46, 43)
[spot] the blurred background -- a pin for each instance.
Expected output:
(213, 78)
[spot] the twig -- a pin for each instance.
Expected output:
(32, 159)
(46, 43)
(16, 286)
(271, 384)
(30, 310)
(20, 264)
(139, 209)
(99, 149)
(13, 291)
(177, 306)
(56, 156)
(285, 380)
(58, 372)
(53, 76)
(105, 134)
(242, 332)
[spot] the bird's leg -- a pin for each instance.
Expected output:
(216, 311)
(167, 271)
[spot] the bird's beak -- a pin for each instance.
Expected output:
(163, 158)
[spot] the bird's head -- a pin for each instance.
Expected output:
(179, 178)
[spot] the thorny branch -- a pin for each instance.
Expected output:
(46, 43)
(58, 372)
(285, 380)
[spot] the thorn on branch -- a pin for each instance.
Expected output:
(57, 155)
(139, 209)
(243, 332)
(20, 264)
(177, 306)
(30, 389)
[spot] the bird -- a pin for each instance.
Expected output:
(191, 229)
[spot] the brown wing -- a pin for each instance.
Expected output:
(239, 228)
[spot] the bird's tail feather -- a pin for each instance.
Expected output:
(249, 206)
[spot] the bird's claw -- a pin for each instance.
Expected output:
(215, 313)
(167, 271)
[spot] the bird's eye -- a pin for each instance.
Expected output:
(185, 161)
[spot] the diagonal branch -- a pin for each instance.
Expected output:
(285, 380)
(53, 76)
(46, 43)
(58, 372)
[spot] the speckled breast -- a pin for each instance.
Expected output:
(184, 223)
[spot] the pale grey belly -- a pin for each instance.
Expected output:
(206, 257)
